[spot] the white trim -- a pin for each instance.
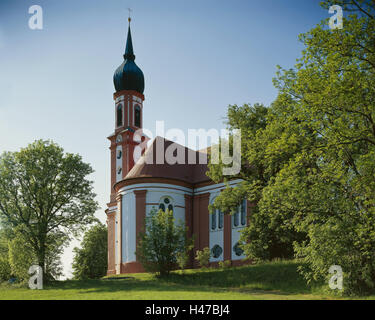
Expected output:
(112, 208)
(215, 187)
(126, 189)
(128, 114)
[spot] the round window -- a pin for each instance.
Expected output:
(238, 250)
(216, 251)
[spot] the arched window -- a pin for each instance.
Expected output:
(137, 116)
(119, 115)
(213, 221)
(166, 203)
(217, 220)
(221, 220)
(239, 218)
(236, 218)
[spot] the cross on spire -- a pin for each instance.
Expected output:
(130, 11)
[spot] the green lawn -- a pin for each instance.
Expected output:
(278, 280)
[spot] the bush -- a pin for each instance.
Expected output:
(90, 261)
(345, 241)
(225, 264)
(183, 257)
(21, 258)
(203, 257)
(5, 271)
(163, 244)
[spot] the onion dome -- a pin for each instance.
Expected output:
(128, 75)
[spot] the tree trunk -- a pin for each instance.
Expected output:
(42, 259)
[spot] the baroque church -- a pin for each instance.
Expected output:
(139, 187)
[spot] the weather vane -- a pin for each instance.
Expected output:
(130, 11)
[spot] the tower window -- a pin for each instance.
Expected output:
(119, 115)
(137, 116)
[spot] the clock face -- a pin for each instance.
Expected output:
(119, 139)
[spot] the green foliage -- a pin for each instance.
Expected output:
(21, 257)
(162, 242)
(90, 261)
(45, 192)
(183, 257)
(308, 162)
(333, 89)
(269, 143)
(224, 264)
(203, 257)
(266, 281)
(5, 270)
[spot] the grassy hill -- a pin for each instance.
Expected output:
(278, 280)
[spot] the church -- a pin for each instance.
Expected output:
(137, 187)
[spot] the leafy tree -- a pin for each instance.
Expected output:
(47, 193)
(333, 89)
(315, 154)
(268, 144)
(90, 261)
(162, 242)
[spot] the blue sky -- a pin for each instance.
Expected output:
(198, 57)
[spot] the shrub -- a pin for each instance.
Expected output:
(225, 264)
(163, 244)
(203, 257)
(21, 258)
(5, 271)
(90, 261)
(183, 257)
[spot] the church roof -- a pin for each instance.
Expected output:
(148, 167)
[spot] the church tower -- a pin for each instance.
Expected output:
(128, 119)
(128, 114)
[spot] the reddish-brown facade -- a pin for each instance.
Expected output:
(111, 242)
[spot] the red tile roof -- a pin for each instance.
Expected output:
(147, 166)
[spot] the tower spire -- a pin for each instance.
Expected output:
(129, 53)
